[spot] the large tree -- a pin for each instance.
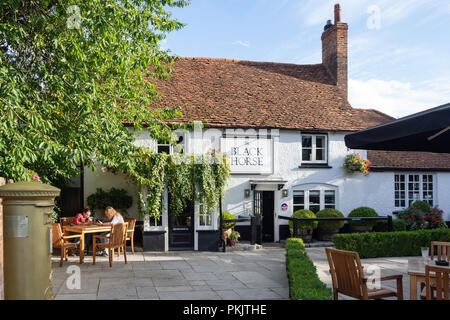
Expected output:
(71, 73)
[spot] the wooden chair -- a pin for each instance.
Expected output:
(61, 241)
(130, 231)
(440, 285)
(348, 277)
(442, 250)
(66, 221)
(116, 239)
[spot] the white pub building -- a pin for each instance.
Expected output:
(283, 127)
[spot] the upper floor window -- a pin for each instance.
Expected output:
(314, 148)
(412, 187)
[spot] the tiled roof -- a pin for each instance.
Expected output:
(233, 93)
(401, 160)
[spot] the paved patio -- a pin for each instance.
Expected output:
(388, 266)
(238, 275)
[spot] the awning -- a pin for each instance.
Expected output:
(428, 130)
(279, 182)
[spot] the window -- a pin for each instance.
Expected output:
(205, 219)
(164, 148)
(412, 187)
(314, 199)
(314, 148)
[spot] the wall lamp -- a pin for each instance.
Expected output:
(285, 193)
(247, 193)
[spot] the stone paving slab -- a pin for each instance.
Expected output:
(192, 275)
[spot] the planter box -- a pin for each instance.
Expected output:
(306, 235)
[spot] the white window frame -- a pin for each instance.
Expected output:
(316, 187)
(212, 226)
(408, 201)
(314, 148)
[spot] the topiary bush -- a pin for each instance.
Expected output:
(422, 205)
(304, 225)
(228, 216)
(330, 225)
(363, 212)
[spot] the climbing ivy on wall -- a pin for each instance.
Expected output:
(200, 178)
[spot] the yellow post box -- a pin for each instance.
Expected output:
(27, 207)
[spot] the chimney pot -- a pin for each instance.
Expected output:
(337, 13)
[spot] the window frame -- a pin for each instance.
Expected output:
(421, 189)
(314, 147)
(307, 188)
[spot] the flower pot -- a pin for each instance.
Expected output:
(306, 235)
(326, 235)
(360, 228)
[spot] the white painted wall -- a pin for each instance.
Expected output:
(353, 190)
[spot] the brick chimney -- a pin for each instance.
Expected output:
(334, 50)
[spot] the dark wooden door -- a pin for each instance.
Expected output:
(181, 230)
(268, 216)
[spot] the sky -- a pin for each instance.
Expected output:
(399, 51)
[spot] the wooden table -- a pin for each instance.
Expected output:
(83, 229)
(416, 272)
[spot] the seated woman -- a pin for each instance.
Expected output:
(113, 217)
(84, 218)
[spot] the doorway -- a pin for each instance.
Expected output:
(181, 229)
(264, 205)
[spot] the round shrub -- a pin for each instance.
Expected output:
(304, 225)
(330, 225)
(228, 216)
(363, 212)
(422, 205)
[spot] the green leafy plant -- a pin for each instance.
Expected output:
(304, 283)
(228, 216)
(389, 244)
(420, 216)
(304, 225)
(71, 73)
(330, 225)
(354, 162)
(363, 212)
(116, 198)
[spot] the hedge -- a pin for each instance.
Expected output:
(397, 225)
(389, 244)
(304, 283)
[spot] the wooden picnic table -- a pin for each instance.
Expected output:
(416, 272)
(83, 229)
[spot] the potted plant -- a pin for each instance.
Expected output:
(305, 228)
(227, 228)
(328, 228)
(234, 238)
(354, 162)
(362, 226)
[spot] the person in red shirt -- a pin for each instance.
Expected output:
(84, 218)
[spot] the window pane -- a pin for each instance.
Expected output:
(298, 208)
(307, 154)
(306, 141)
(314, 197)
(320, 154)
(299, 197)
(320, 142)
(330, 197)
(164, 149)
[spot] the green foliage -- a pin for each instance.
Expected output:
(363, 212)
(304, 225)
(116, 198)
(397, 225)
(389, 244)
(420, 216)
(228, 216)
(330, 225)
(188, 178)
(70, 74)
(304, 283)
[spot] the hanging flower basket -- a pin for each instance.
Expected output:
(354, 162)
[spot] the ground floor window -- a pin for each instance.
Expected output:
(314, 200)
(413, 187)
